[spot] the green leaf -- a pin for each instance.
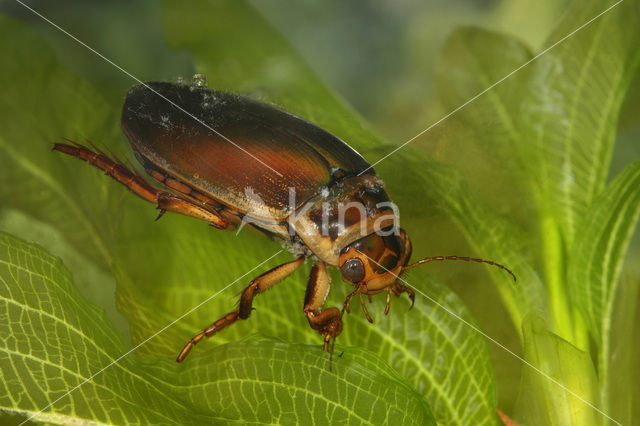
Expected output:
(541, 400)
(559, 113)
(55, 340)
(547, 130)
(598, 254)
(595, 267)
(441, 355)
(597, 66)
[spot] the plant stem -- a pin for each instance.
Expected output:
(560, 313)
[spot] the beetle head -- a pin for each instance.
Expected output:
(375, 260)
(378, 260)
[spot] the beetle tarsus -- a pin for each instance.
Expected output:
(160, 214)
(333, 344)
(223, 322)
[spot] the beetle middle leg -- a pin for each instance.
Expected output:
(164, 200)
(257, 286)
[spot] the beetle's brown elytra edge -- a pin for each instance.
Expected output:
(327, 204)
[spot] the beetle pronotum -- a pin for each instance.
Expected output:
(201, 174)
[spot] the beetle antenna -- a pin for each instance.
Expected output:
(465, 258)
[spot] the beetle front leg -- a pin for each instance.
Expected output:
(327, 322)
(397, 289)
(165, 201)
(257, 286)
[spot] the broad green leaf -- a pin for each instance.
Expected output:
(442, 356)
(594, 274)
(55, 340)
(552, 124)
(559, 113)
(96, 284)
(599, 252)
(577, 131)
(543, 401)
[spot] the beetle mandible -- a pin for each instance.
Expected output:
(210, 174)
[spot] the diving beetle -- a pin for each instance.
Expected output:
(230, 161)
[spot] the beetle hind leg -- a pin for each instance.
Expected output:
(257, 286)
(129, 177)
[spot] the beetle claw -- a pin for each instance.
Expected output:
(162, 212)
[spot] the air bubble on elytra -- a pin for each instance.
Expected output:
(199, 80)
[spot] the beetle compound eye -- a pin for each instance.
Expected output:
(353, 270)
